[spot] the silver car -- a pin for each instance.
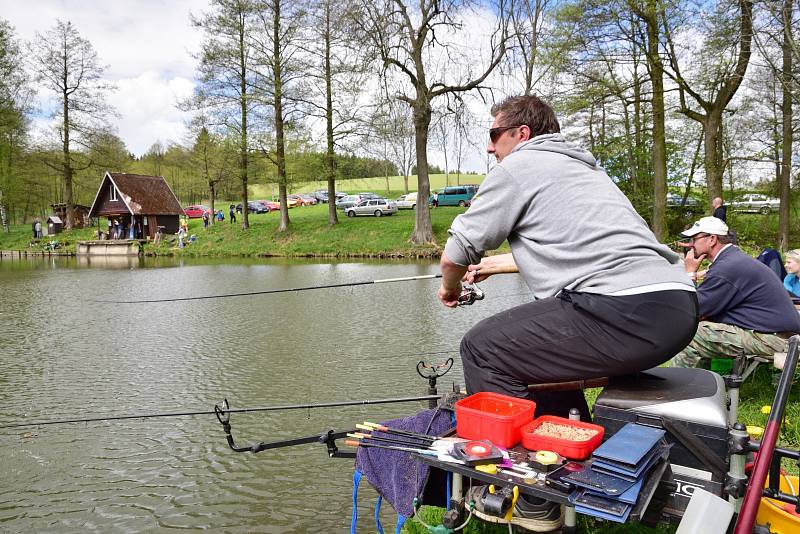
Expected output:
(347, 201)
(372, 206)
(756, 203)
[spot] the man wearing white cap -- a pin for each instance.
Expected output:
(743, 306)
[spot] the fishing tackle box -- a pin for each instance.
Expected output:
(694, 400)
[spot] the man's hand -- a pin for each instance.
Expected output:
(692, 263)
(450, 290)
(449, 297)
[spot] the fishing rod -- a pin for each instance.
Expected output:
(224, 410)
(272, 291)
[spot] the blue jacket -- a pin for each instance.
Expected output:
(743, 292)
(792, 284)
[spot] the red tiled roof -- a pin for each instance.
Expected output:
(147, 195)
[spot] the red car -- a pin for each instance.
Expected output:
(196, 211)
(303, 200)
(269, 205)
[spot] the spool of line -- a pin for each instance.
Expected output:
(477, 449)
(547, 457)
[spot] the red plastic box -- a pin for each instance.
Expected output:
(574, 450)
(493, 416)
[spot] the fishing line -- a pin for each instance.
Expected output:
(228, 411)
(271, 291)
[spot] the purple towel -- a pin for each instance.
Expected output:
(395, 474)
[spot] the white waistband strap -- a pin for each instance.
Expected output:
(652, 288)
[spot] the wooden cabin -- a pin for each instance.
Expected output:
(54, 225)
(140, 204)
(80, 214)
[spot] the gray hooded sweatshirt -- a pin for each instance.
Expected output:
(567, 223)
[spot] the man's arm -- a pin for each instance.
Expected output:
(452, 273)
(501, 263)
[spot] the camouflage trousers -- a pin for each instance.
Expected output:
(717, 340)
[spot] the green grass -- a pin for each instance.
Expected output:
(308, 235)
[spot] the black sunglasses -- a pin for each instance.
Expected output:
(495, 133)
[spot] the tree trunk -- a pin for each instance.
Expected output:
(280, 141)
(330, 154)
(3, 214)
(786, 111)
(659, 135)
(68, 172)
(712, 143)
(423, 229)
(243, 156)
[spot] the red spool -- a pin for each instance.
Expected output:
(478, 449)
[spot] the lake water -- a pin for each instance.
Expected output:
(64, 355)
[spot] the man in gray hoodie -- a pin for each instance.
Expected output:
(609, 299)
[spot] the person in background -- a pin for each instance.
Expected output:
(743, 307)
(181, 235)
(110, 234)
(435, 199)
(33, 227)
(117, 229)
(792, 280)
(232, 213)
(205, 219)
(37, 227)
(220, 216)
(720, 210)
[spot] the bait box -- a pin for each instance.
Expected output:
(574, 450)
(494, 417)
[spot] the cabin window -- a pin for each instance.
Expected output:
(113, 195)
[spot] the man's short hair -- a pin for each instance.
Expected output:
(528, 111)
(727, 238)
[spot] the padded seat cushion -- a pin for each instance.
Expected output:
(659, 385)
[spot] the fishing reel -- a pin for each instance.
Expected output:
(469, 294)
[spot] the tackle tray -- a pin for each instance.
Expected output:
(572, 449)
(656, 483)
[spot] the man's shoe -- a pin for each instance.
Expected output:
(531, 514)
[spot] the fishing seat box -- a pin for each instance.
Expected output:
(694, 398)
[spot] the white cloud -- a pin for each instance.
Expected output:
(148, 105)
(148, 47)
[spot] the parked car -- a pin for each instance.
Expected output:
(341, 194)
(268, 205)
(321, 195)
(755, 203)
(347, 202)
(372, 206)
(692, 206)
(303, 200)
(407, 202)
(459, 195)
(196, 211)
(368, 194)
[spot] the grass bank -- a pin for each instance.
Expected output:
(309, 235)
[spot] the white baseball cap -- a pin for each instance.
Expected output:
(707, 225)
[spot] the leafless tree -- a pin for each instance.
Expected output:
(226, 76)
(406, 37)
(67, 65)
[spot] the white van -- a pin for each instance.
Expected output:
(407, 202)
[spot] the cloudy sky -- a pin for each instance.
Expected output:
(148, 47)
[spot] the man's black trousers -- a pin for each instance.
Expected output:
(575, 336)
